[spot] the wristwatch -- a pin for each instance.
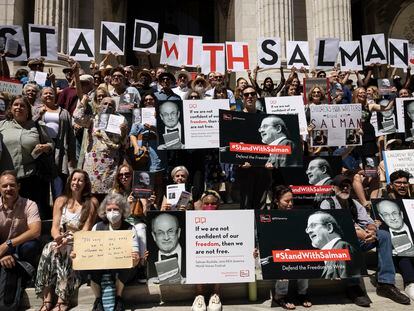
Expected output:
(9, 243)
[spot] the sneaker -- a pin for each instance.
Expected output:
(214, 303)
(409, 290)
(199, 304)
(391, 292)
(119, 304)
(358, 296)
(97, 305)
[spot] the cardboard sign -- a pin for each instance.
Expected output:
(237, 56)
(268, 52)
(112, 38)
(350, 55)
(11, 86)
(81, 44)
(190, 47)
(98, 250)
(212, 58)
(169, 50)
(301, 254)
(16, 33)
(43, 42)
(335, 125)
(219, 246)
(373, 49)
(398, 54)
(259, 139)
(145, 36)
(393, 215)
(395, 160)
(297, 54)
(326, 52)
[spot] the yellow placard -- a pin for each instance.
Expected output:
(96, 250)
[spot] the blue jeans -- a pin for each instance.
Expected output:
(386, 269)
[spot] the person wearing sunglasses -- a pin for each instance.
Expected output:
(166, 81)
(399, 186)
(182, 83)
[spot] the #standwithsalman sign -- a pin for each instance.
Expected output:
(259, 139)
(303, 253)
(335, 125)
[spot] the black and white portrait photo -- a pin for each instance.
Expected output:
(170, 125)
(166, 246)
(391, 214)
(352, 137)
(319, 138)
(275, 141)
(387, 119)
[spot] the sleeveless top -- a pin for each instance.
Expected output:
(71, 220)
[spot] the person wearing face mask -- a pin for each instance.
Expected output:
(101, 149)
(113, 211)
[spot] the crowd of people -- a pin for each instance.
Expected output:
(58, 163)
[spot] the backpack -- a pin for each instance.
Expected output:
(10, 288)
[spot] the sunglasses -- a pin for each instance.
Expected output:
(124, 175)
(252, 94)
(194, 97)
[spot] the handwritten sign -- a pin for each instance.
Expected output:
(96, 250)
(13, 87)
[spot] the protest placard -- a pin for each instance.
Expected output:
(259, 139)
(166, 246)
(173, 194)
(97, 250)
(288, 105)
(395, 160)
(201, 122)
(142, 184)
(335, 125)
(220, 246)
(302, 253)
(405, 117)
(11, 86)
(312, 183)
(110, 123)
(394, 219)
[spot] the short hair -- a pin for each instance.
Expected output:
(179, 168)
(163, 214)
(387, 201)
(117, 199)
(117, 69)
(9, 173)
(170, 102)
(327, 218)
(30, 85)
(277, 121)
(399, 174)
(9, 115)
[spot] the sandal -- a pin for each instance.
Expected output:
(305, 300)
(46, 306)
(61, 306)
(284, 304)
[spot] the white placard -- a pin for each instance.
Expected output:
(212, 58)
(81, 44)
(170, 50)
(13, 87)
(16, 33)
(173, 194)
(38, 76)
(268, 52)
(201, 122)
(398, 53)
(148, 116)
(350, 55)
(145, 36)
(336, 121)
(190, 50)
(237, 56)
(112, 38)
(373, 49)
(288, 105)
(297, 54)
(395, 160)
(43, 42)
(219, 246)
(409, 208)
(326, 52)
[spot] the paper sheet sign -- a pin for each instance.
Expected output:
(96, 250)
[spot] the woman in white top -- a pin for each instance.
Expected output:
(59, 128)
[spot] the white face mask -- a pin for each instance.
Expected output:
(113, 216)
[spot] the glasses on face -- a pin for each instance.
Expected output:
(170, 233)
(252, 94)
(194, 97)
(316, 92)
(166, 79)
(394, 214)
(169, 115)
(124, 175)
(218, 78)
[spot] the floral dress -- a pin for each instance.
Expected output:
(55, 266)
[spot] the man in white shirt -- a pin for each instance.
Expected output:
(182, 83)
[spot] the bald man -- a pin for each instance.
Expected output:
(319, 172)
(274, 132)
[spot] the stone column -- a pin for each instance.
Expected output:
(329, 19)
(275, 19)
(62, 14)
